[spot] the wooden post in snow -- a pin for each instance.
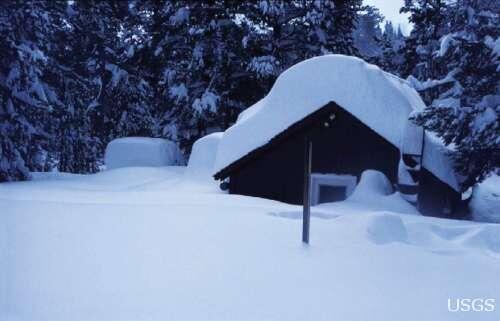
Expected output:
(306, 212)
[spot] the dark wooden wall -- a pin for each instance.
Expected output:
(436, 198)
(346, 147)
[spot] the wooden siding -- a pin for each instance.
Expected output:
(346, 147)
(436, 198)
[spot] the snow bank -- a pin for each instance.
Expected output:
(140, 152)
(485, 202)
(378, 99)
(202, 159)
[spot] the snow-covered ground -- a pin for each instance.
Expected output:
(155, 244)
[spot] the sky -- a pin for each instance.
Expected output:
(390, 10)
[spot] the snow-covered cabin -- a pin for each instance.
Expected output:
(357, 118)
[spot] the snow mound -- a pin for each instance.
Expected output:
(438, 236)
(141, 152)
(202, 159)
(386, 228)
(372, 185)
(373, 193)
(485, 202)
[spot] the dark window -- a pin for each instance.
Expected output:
(328, 193)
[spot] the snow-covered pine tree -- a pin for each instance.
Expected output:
(429, 24)
(274, 38)
(70, 81)
(156, 55)
(109, 39)
(73, 146)
(330, 26)
(78, 149)
(198, 67)
(208, 60)
(282, 33)
(26, 98)
(368, 35)
(344, 18)
(391, 44)
(459, 81)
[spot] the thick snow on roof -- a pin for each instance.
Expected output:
(380, 100)
(202, 158)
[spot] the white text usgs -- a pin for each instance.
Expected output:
(471, 305)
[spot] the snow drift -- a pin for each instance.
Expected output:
(373, 192)
(378, 99)
(202, 159)
(372, 185)
(141, 151)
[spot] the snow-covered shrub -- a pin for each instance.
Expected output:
(141, 151)
(485, 202)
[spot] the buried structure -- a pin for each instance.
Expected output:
(356, 117)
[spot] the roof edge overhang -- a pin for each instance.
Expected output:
(297, 127)
(315, 117)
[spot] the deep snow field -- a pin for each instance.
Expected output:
(158, 244)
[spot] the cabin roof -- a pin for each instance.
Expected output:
(378, 99)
